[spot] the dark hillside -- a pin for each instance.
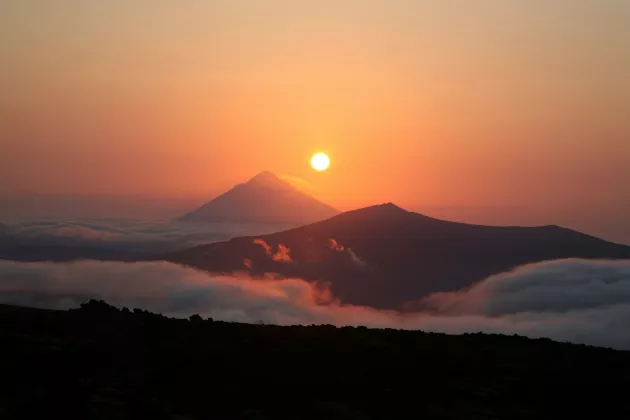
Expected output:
(387, 256)
(98, 362)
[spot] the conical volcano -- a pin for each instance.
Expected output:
(265, 198)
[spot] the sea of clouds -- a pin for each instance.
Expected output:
(138, 238)
(574, 300)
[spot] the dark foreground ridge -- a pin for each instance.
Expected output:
(98, 362)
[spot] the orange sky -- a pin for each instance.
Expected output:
(422, 103)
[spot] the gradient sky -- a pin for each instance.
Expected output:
(424, 103)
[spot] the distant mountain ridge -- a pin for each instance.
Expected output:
(263, 199)
(386, 257)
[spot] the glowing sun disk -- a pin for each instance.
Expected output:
(320, 162)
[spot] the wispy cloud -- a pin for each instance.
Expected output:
(356, 260)
(336, 246)
(282, 254)
(299, 183)
(264, 246)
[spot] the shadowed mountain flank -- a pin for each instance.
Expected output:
(386, 257)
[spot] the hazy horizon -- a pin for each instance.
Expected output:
(426, 104)
(78, 207)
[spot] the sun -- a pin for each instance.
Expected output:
(320, 161)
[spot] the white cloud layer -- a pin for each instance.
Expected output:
(567, 300)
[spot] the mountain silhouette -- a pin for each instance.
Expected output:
(386, 257)
(263, 199)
